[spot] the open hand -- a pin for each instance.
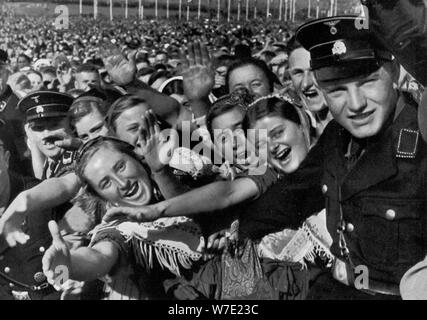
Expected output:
(120, 68)
(11, 222)
(57, 260)
(198, 76)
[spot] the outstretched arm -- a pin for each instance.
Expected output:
(46, 195)
(83, 264)
(212, 197)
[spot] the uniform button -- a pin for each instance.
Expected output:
(11, 285)
(39, 277)
(324, 189)
(350, 227)
(42, 249)
(390, 214)
(6, 270)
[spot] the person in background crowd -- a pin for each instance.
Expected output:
(305, 85)
(24, 62)
(86, 77)
(14, 121)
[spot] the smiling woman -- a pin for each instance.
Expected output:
(134, 257)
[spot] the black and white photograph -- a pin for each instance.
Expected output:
(230, 151)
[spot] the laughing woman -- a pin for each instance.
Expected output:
(129, 256)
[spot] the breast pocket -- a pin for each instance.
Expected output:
(391, 230)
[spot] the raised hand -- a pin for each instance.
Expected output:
(198, 76)
(142, 214)
(120, 68)
(57, 260)
(11, 222)
(69, 143)
(152, 145)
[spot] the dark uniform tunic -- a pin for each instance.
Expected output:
(14, 120)
(21, 275)
(382, 196)
(56, 168)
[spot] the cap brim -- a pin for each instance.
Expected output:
(422, 116)
(48, 115)
(346, 70)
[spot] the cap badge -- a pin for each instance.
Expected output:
(2, 105)
(332, 25)
(36, 99)
(339, 48)
(39, 109)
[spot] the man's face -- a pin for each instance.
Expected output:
(87, 80)
(4, 176)
(36, 81)
(363, 104)
(162, 58)
(250, 77)
(22, 62)
(303, 80)
(4, 76)
(47, 131)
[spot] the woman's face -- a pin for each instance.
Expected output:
(286, 143)
(91, 126)
(36, 81)
(118, 178)
(250, 77)
(228, 135)
(129, 124)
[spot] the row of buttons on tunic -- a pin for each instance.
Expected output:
(39, 277)
(389, 215)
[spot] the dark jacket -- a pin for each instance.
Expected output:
(23, 262)
(383, 196)
(14, 120)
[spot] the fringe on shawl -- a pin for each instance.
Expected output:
(170, 258)
(316, 249)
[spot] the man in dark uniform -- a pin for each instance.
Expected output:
(373, 160)
(14, 120)
(46, 115)
(21, 276)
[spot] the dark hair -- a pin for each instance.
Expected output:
(34, 72)
(273, 106)
(23, 55)
(83, 106)
(48, 70)
(271, 77)
(293, 44)
(122, 104)
(86, 67)
(238, 99)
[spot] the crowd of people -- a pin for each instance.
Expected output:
(204, 160)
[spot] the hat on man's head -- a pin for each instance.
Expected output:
(341, 47)
(45, 104)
